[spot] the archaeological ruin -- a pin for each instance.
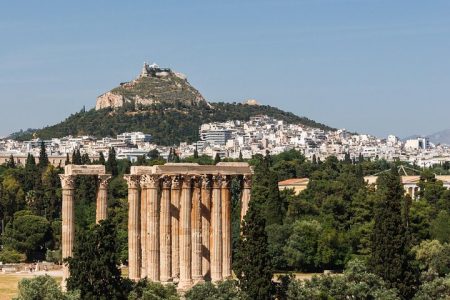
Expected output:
(179, 219)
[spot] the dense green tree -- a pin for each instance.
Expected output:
(224, 290)
(253, 264)
(356, 283)
(101, 158)
(440, 227)
(111, 164)
(390, 250)
(28, 234)
(94, 266)
(153, 291)
(43, 157)
(217, 159)
(43, 288)
(11, 163)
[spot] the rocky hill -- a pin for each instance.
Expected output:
(160, 102)
(154, 85)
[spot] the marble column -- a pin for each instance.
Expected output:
(165, 232)
(68, 228)
(196, 236)
(144, 185)
(226, 227)
(134, 233)
(246, 193)
(101, 212)
(185, 234)
(216, 230)
(153, 271)
(206, 226)
(175, 218)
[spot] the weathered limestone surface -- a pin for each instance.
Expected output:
(68, 228)
(206, 227)
(185, 234)
(134, 262)
(216, 230)
(165, 232)
(102, 198)
(109, 100)
(226, 227)
(246, 194)
(175, 218)
(153, 262)
(196, 219)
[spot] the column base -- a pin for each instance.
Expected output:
(166, 280)
(185, 285)
(198, 280)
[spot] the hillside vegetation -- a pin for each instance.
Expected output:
(168, 123)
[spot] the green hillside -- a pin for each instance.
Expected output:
(168, 123)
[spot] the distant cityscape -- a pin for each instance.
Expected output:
(235, 138)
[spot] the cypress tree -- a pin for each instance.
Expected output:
(101, 158)
(111, 165)
(43, 157)
(252, 264)
(93, 267)
(11, 164)
(195, 153)
(67, 159)
(217, 159)
(240, 156)
(390, 248)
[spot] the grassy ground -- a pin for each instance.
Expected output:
(8, 284)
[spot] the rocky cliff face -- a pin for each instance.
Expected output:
(154, 85)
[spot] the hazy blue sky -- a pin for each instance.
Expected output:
(374, 66)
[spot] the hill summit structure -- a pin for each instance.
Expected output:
(153, 85)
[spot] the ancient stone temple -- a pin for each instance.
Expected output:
(179, 219)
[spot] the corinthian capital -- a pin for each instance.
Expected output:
(132, 181)
(206, 182)
(226, 182)
(103, 181)
(216, 181)
(166, 182)
(186, 181)
(247, 181)
(67, 182)
(176, 183)
(150, 181)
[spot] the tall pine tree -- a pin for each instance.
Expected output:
(93, 267)
(390, 243)
(111, 164)
(252, 263)
(43, 157)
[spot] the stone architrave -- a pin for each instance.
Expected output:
(226, 227)
(216, 230)
(102, 198)
(185, 234)
(68, 228)
(206, 227)
(153, 262)
(246, 193)
(165, 231)
(134, 238)
(196, 236)
(175, 222)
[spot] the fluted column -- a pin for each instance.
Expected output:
(226, 227)
(206, 226)
(153, 272)
(246, 192)
(144, 185)
(68, 229)
(216, 230)
(101, 212)
(134, 233)
(165, 231)
(175, 218)
(196, 236)
(185, 234)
